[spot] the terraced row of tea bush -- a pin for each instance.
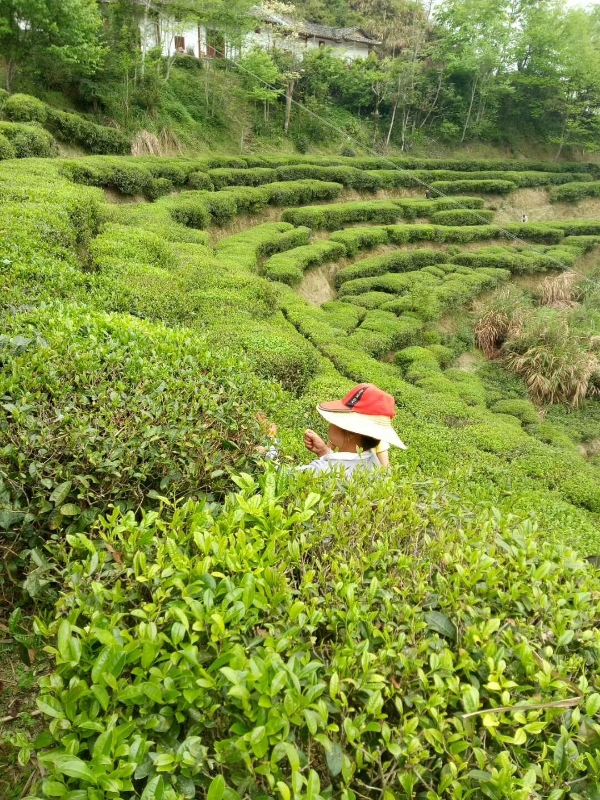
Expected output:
(221, 628)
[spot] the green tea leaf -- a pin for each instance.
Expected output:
(441, 623)
(61, 492)
(216, 790)
(335, 759)
(592, 705)
(470, 700)
(73, 767)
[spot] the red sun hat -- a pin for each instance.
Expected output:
(367, 410)
(366, 398)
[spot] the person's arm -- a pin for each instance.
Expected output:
(314, 443)
(382, 453)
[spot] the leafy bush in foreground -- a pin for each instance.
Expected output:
(101, 409)
(281, 645)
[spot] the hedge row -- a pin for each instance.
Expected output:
(198, 209)
(460, 217)
(67, 127)
(482, 186)
(454, 165)
(378, 211)
(572, 192)
(289, 267)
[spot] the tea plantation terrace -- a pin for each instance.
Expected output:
(219, 628)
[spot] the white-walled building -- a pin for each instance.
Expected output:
(271, 31)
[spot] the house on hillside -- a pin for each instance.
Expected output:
(271, 31)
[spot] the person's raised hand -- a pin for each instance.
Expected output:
(314, 443)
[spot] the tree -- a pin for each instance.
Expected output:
(260, 76)
(57, 38)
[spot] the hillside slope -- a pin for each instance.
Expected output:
(220, 627)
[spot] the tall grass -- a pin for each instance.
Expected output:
(556, 364)
(498, 318)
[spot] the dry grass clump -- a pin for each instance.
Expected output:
(558, 364)
(555, 363)
(559, 291)
(498, 318)
(146, 143)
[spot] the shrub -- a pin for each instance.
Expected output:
(484, 187)
(279, 355)
(29, 141)
(355, 239)
(334, 216)
(572, 192)
(343, 316)
(24, 108)
(158, 187)
(389, 262)
(96, 138)
(6, 148)
(433, 607)
(95, 385)
(381, 332)
(460, 217)
(200, 180)
(4, 95)
(525, 411)
(241, 177)
(190, 210)
(288, 267)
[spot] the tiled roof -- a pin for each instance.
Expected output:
(313, 30)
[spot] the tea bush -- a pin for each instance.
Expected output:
(74, 129)
(242, 177)
(289, 266)
(280, 642)
(29, 141)
(460, 217)
(572, 192)
(522, 409)
(482, 186)
(100, 409)
(24, 108)
(6, 148)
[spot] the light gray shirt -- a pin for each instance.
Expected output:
(348, 461)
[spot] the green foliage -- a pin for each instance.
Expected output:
(102, 409)
(74, 129)
(6, 148)
(29, 141)
(482, 186)
(459, 217)
(572, 192)
(241, 177)
(24, 108)
(522, 409)
(289, 267)
(147, 650)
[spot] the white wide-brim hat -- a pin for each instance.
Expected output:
(371, 425)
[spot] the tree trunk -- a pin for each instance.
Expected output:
(468, 119)
(10, 68)
(144, 34)
(289, 96)
(390, 129)
(434, 103)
